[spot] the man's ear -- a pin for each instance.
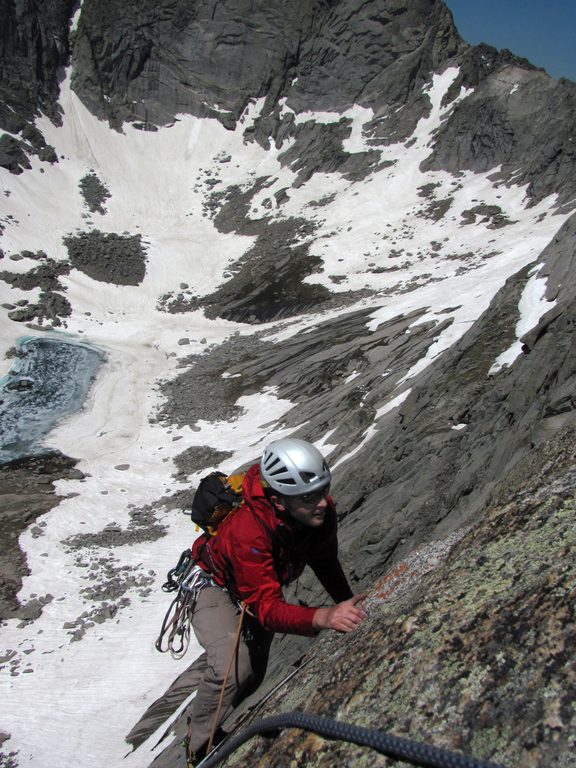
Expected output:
(277, 503)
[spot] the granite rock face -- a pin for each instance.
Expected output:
(147, 61)
(34, 48)
(471, 653)
(518, 118)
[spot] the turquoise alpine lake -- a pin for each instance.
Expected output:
(50, 379)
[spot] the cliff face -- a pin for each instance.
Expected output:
(149, 61)
(146, 63)
(519, 119)
(472, 652)
(33, 51)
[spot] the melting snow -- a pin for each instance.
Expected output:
(532, 307)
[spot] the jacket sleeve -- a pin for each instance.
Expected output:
(331, 575)
(258, 585)
(326, 565)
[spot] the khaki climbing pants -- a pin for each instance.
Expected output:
(215, 622)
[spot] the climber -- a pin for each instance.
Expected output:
(287, 520)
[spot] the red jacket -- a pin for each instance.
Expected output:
(256, 552)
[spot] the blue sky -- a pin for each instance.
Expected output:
(543, 31)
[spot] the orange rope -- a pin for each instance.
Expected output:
(226, 676)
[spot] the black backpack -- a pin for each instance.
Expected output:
(216, 497)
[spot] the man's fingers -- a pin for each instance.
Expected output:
(359, 598)
(345, 616)
(350, 620)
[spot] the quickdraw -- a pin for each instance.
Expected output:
(174, 575)
(188, 579)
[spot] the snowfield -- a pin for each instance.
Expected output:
(67, 700)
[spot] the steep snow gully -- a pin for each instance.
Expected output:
(334, 220)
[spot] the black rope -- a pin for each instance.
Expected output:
(385, 743)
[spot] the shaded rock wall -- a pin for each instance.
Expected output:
(148, 62)
(379, 53)
(34, 48)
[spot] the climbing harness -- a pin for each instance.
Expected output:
(176, 628)
(384, 743)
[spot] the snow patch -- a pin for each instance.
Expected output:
(372, 429)
(532, 306)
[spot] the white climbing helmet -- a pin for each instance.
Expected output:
(294, 467)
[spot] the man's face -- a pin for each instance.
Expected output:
(310, 509)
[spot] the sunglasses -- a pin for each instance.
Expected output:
(315, 496)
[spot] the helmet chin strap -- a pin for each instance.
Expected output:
(282, 508)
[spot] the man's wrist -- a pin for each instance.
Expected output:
(320, 619)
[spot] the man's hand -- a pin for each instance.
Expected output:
(343, 617)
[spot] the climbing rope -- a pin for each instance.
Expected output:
(385, 743)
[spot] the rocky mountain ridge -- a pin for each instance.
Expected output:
(146, 63)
